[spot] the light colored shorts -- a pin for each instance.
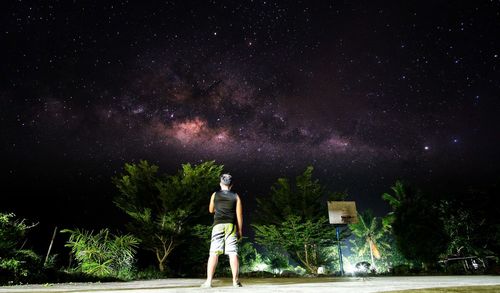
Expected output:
(224, 239)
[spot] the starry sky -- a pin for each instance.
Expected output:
(365, 91)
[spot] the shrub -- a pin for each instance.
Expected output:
(17, 265)
(150, 273)
(103, 254)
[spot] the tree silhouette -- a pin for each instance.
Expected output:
(418, 228)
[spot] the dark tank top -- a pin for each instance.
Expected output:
(225, 207)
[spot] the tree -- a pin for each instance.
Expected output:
(161, 206)
(369, 231)
(394, 201)
(418, 228)
(302, 240)
(304, 199)
(293, 219)
(471, 221)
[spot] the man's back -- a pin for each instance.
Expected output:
(225, 207)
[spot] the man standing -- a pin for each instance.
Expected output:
(227, 229)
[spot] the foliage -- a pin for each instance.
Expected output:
(103, 254)
(418, 229)
(191, 257)
(161, 206)
(394, 201)
(12, 232)
(451, 221)
(149, 273)
(17, 265)
(21, 266)
(459, 226)
(276, 260)
(250, 258)
(414, 225)
(306, 199)
(305, 241)
(292, 221)
(368, 234)
(471, 222)
(391, 256)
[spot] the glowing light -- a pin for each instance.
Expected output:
(261, 266)
(349, 268)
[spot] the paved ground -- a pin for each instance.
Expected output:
(292, 285)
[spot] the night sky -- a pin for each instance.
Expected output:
(365, 91)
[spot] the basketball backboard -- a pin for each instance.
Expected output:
(342, 212)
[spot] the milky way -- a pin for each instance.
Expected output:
(365, 92)
(230, 118)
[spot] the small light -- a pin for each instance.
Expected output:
(426, 148)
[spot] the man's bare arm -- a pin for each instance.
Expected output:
(211, 206)
(239, 216)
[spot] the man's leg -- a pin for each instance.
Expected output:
(232, 252)
(211, 265)
(235, 267)
(216, 248)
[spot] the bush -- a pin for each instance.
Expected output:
(250, 258)
(103, 254)
(277, 261)
(257, 274)
(22, 267)
(401, 270)
(17, 265)
(150, 273)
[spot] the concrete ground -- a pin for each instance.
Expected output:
(289, 285)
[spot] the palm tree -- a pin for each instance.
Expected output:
(394, 201)
(370, 232)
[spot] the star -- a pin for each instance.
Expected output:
(256, 86)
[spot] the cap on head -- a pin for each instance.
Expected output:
(226, 179)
